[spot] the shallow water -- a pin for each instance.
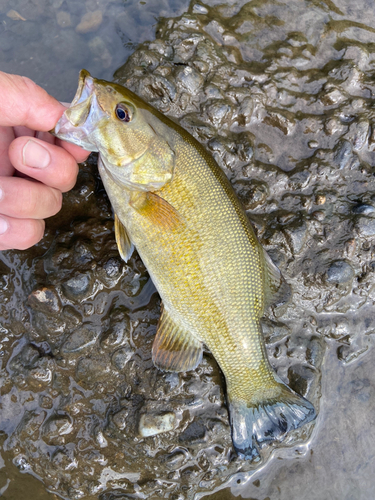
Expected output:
(281, 93)
(50, 41)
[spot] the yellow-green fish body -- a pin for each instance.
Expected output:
(175, 205)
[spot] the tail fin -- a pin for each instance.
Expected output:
(254, 425)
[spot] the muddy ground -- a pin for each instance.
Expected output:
(281, 94)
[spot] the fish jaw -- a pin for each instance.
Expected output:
(79, 121)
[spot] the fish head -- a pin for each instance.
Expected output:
(110, 119)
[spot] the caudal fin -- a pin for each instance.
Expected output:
(254, 425)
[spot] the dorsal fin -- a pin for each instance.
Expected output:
(174, 348)
(277, 290)
(155, 208)
(125, 246)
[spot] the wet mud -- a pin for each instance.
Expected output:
(281, 94)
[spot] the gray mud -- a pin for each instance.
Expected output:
(281, 94)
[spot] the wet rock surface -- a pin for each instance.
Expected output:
(281, 95)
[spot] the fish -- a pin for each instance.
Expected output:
(174, 204)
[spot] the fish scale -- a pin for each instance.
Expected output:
(178, 209)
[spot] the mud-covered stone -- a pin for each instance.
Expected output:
(153, 424)
(340, 272)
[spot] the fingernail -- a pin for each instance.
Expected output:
(3, 225)
(35, 155)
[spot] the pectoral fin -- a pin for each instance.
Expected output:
(175, 349)
(156, 209)
(125, 246)
(277, 290)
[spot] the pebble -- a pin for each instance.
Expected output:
(120, 419)
(90, 22)
(152, 424)
(15, 16)
(112, 267)
(363, 209)
(77, 286)
(199, 9)
(121, 357)
(63, 19)
(340, 272)
(343, 155)
(365, 226)
(57, 425)
(194, 433)
(80, 340)
(45, 300)
(301, 378)
(296, 237)
(190, 79)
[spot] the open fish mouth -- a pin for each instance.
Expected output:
(77, 123)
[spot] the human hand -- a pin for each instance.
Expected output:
(35, 167)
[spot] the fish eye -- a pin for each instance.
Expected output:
(123, 113)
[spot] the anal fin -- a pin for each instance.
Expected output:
(174, 348)
(125, 246)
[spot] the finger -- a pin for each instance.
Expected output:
(6, 137)
(23, 102)
(24, 199)
(46, 137)
(47, 163)
(79, 153)
(20, 234)
(21, 130)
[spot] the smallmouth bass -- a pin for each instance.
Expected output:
(177, 208)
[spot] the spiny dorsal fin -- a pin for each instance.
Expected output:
(155, 208)
(174, 348)
(277, 289)
(125, 246)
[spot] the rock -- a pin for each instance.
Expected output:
(365, 226)
(251, 193)
(90, 22)
(296, 234)
(301, 378)
(76, 287)
(363, 209)
(112, 267)
(340, 272)
(190, 79)
(121, 357)
(199, 9)
(45, 300)
(152, 424)
(63, 19)
(91, 370)
(120, 419)
(57, 425)
(344, 155)
(15, 16)
(194, 433)
(79, 341)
